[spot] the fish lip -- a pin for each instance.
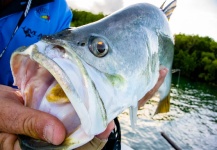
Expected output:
(62, 78)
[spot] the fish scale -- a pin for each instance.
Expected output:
(103, 68)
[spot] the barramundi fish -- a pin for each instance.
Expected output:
(87, 76)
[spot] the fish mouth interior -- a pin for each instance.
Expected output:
(55, 80)
(41, 90)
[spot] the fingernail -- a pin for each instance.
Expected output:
(48, 133)
(17, 145)
(163, 68)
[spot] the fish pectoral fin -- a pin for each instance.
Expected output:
(164, 105)
(133, 116)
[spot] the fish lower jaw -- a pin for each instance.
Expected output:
(55, 102)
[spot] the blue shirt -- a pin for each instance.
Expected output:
(42, 20)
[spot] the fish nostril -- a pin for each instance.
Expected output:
(80, 44)
(60, 48)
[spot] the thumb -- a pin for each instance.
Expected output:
(18, 119)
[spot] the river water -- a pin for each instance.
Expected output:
(191, 123)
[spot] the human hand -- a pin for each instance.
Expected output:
(105, 134)
(150, 94)
(99, 141)
(15, 119)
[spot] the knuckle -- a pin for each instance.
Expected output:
(2, 141)
(7, 141)
(28, 126)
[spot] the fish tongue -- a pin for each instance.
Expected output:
(56, 103)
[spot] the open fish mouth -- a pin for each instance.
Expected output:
(55, 81)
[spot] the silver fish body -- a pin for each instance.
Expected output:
(103, 68)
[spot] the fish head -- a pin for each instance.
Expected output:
(86, 76)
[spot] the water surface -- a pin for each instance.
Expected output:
(191, 122)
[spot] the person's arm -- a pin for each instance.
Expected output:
(150, 94)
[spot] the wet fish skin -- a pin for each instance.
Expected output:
(135, 40)
(127, 26)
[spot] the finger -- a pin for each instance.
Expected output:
(7, 88)
(17, 145)
(9, 142)
(12, 93)
(17, 119)
(162, 75)
(106, 133)
(150, 94)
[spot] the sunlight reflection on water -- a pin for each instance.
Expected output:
(191, 122)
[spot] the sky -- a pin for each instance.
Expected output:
(194, 17)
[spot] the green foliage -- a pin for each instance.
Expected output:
(83, 17)
(196, 57)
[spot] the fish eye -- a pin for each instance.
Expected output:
(98, 46)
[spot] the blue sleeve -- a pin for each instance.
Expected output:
(42, 20)
(63, 17)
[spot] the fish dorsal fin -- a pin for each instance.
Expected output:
(168, 10)
(162, 6)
